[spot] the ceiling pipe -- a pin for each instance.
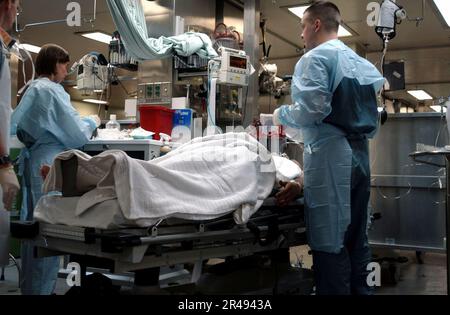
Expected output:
(92, 20)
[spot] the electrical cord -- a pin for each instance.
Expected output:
(383, 60)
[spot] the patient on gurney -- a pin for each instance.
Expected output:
(203, 179)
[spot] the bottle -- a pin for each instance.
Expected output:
(112, 123)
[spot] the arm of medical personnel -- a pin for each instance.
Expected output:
(311, 93)
(75, 131)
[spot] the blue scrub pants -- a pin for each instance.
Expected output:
(346, 273)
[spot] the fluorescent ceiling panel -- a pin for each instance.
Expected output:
(98, 36)
(95, 91)
(421, 95)
(299, 11)
(444, 8)
(92, 101)
(437, 108)
(31, 48)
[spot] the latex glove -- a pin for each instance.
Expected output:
(276, 117)
(97, 120)
(10, 186)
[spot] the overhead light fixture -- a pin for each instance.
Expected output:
(438, 108)
(343, 32)
(93, 101)
(95, 91)
(31, 48)
(444, 8)
(98, 36)
(420, 95)
(300, 10)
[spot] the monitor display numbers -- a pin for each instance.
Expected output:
(238, 62)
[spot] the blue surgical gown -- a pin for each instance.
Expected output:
(334, 94)
(47, 124)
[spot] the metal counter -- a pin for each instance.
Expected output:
(138, 149)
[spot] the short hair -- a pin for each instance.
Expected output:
(327, 12)
(48, 57)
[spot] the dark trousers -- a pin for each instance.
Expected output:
(346, 273)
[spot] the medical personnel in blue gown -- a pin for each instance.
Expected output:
(335, 105)
(47, 124)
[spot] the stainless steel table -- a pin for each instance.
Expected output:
(140, 149)
(445, 154)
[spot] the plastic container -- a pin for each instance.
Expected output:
(182, 117)
(156, 119)
(112, 123)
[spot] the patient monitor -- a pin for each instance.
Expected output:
(231, 68)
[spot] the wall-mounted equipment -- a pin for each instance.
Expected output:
(231, 68)
(155, 93)
(92, 72)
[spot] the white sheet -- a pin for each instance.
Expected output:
(201, 180)
(61, 211)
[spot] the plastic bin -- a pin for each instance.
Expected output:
(156, 119)
(182, 117)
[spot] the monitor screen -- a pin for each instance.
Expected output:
(238, 62)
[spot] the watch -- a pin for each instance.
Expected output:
(4, 160)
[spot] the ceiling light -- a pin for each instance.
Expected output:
(343, 32)
(438, 108)
(421, 95)
(444, 8)
(299, 11)
(98, 36)
(31, 48)
(93, 101)
(95, 91)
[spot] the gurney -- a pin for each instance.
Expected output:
(106, 234)
(166, 244)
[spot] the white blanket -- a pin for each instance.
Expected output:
(204, 179)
